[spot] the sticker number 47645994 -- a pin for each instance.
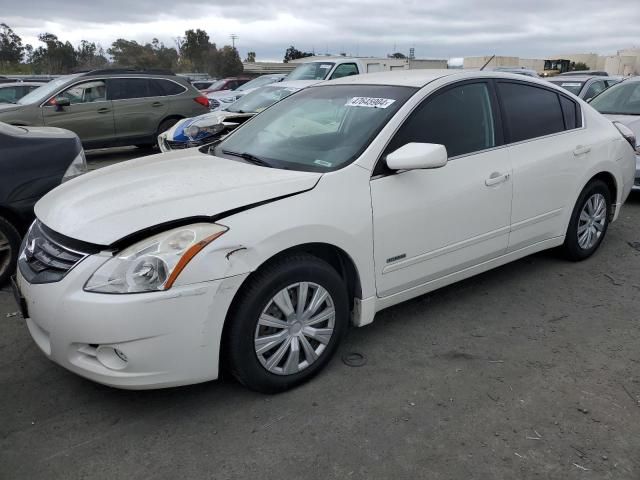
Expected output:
(370, 102)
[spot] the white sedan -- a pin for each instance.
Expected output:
(335, 203)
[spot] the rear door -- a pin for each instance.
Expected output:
(139, 107)
(547, 148)
(90, 114)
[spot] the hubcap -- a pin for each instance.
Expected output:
(593, 219)
(295, 328)
(5, 253)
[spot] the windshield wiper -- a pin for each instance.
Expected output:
(249, 158)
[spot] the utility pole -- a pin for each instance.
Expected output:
(233, 38)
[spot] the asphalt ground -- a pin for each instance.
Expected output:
(528, 371)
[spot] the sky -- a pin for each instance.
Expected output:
(435, 28)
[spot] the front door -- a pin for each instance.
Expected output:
(432, 223)
(90, 114)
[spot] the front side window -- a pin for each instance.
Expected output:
(86, 92)
(44, 92)
(345, 70)
(311, 71)
(318, 129)
(594, 89)
(530, 111)
(459, 118)
(129, 88)
(621, 99)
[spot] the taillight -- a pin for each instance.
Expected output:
(202, 100)
(628, 135)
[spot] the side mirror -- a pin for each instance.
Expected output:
(413, 156)
(59, 103)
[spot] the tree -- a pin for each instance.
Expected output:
(89, 55)
(229, 64)
(55, 58)
(251, 57)
(196, 48)
(292, 53)
(129, 53)
(11, 49)
(580, 66)
(397, 55)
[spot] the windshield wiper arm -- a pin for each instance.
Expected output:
(249, 158)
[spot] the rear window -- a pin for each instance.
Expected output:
(573, 87)
(530, 111)
(167, 87)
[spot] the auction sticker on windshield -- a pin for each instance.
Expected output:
(570, 84)
(369, 102)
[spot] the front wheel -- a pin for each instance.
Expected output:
(589, 221)
(286, 324)
(9, 246)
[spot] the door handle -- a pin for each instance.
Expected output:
(495, 178)
(157, 104)
(581, 150)
(104, 110)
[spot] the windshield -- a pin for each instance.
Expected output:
(311, 71)
(257, 82)
(45, 91)
(621, 99)
(258, 100)
(573, 87)
(217, 85)
(318, 129)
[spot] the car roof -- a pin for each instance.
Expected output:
(421, 77)
(300, 84)
(17, 84)
(576, 78)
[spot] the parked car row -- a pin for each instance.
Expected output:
(11, 92)
(339, 200)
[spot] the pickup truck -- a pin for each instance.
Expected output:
(330, 68)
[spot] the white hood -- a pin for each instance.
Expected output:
(106, 205)
(631, 121)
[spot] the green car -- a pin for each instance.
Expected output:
(108, 108)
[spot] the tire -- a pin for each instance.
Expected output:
(9, 249)
(576, 247)
(166, 124)
(247, 363)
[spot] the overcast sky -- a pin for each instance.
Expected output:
(436, 28)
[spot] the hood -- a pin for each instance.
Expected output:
(631, 121)
(109, 204)
(177, 132)
(222, 93)
(9, 107)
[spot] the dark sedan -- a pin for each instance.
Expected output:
(34, 160)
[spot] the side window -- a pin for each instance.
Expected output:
(530, 111)
(127, 88)
(167, 87)
(571, 113)
(345, 70)
(232, 85)
(86, 92)
(460, 118)
(594, 89)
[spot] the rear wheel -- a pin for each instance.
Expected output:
(9, 247)
(286, 324)
(589, 221)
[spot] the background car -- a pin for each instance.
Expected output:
(220, 99)
(595, 73)
(12, 92)
(110, 107)
(34, 160)
(586, 86)
(621, 104)
(203, 84)
(230, 83)
(194, 132)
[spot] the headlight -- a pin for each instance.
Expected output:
(193, 130)
(155, 263)
(77, 167)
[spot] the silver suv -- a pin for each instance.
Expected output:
(107, 108)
